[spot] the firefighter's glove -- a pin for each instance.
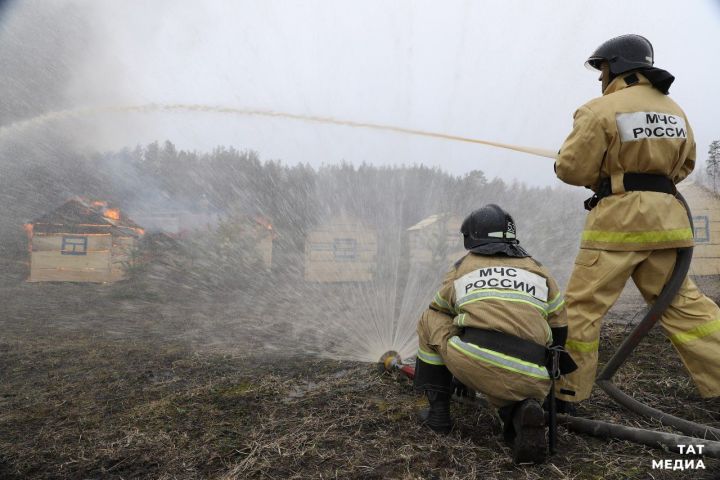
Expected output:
(559, 336)
(591, 202)
(559, 360)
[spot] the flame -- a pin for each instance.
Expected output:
(266, 225)
(102, 205)
(263, 222)
(112, 213)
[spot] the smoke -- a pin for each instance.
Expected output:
(42, 44)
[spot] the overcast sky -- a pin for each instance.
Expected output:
(509, 71)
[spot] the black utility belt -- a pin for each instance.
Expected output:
(633, 182)
(507, 344)
(556, 360)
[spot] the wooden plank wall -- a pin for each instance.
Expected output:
(121, 254)
(265, 245)
(340, 253)
(705, 208)
(48, 263)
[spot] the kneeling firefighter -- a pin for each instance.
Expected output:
(491, 326)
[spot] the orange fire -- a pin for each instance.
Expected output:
(99, 203)
(264, 222)
(112, 213)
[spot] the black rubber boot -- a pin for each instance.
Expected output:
(506, 415)
(437, 415)
(530, 444)
(561, 406)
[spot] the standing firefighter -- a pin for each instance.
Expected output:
(631, 146)
(489, 326)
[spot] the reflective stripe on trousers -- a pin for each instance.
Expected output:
(696, 333)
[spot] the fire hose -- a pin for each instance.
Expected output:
(710, 436)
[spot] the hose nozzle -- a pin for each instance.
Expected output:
(389, 361)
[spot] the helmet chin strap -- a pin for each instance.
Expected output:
(606, 76)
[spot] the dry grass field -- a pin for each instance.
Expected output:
(93, 386)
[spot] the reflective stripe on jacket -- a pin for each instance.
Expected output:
(499, 359)
(632, 128)
(506, 294)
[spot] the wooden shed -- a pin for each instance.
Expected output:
(81, 242)
(436, 239)
(249, 233)
(705, 208)
(341, 250)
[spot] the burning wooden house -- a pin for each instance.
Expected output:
(705, 208)
(81, 242)
(435, 239)
(341, 250)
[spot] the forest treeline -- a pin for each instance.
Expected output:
(231, 182)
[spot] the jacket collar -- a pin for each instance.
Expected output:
(501, 248)
(619, 82)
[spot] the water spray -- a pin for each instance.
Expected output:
(192, 107)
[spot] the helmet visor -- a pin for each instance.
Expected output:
(594, 63)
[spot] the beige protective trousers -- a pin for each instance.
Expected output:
(692, 322)
(478, 369)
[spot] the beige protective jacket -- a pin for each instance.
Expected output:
(517, 296)
(630, 129)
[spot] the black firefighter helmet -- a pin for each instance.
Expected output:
(490, 230)
(627, 53)
(623, 53)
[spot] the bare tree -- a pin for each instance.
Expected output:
(713, 164)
